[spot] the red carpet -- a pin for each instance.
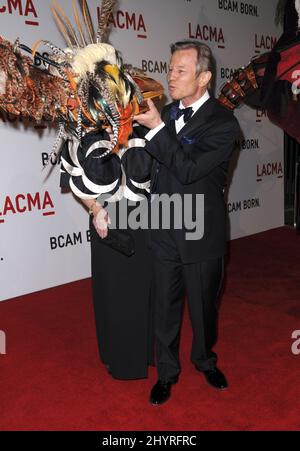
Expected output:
(51, 378)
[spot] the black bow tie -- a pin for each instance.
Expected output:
(177, 112)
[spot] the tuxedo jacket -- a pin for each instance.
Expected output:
(195, 161)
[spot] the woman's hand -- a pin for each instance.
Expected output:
(101, 221)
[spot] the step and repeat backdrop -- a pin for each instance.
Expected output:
(44, 238)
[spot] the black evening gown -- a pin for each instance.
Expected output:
(121, 284)
(122, 304)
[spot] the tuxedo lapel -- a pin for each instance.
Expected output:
(153, 176)
(196, 121)
(199, 118)
(170, 123)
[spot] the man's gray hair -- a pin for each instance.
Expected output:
(205, 61)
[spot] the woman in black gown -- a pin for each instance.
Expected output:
(121, 283)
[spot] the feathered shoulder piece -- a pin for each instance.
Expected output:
(86, 87)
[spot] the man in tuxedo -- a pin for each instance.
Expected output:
(192, 142)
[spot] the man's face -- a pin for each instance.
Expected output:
(183, 82)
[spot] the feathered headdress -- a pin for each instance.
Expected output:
(86, 87)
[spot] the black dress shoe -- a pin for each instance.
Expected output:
(215, 378)
(160, 392)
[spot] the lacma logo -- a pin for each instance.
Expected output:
(267, 169)
(264, 42)
(126, 20)
(24, 8)
(260, 114)
(26, 203)
(207, 33)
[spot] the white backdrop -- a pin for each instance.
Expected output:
(43, 233)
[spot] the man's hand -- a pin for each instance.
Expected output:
(101, 221)
(151, 118)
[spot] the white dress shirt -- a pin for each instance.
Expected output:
(179, 123)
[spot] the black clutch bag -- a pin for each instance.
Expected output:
(120, 240)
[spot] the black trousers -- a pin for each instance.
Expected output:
(201, 281)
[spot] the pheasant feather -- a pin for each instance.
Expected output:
(78, 23)
(103, 19)
(61, 18)
(87, 20)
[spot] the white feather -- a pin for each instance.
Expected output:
(85, 59)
